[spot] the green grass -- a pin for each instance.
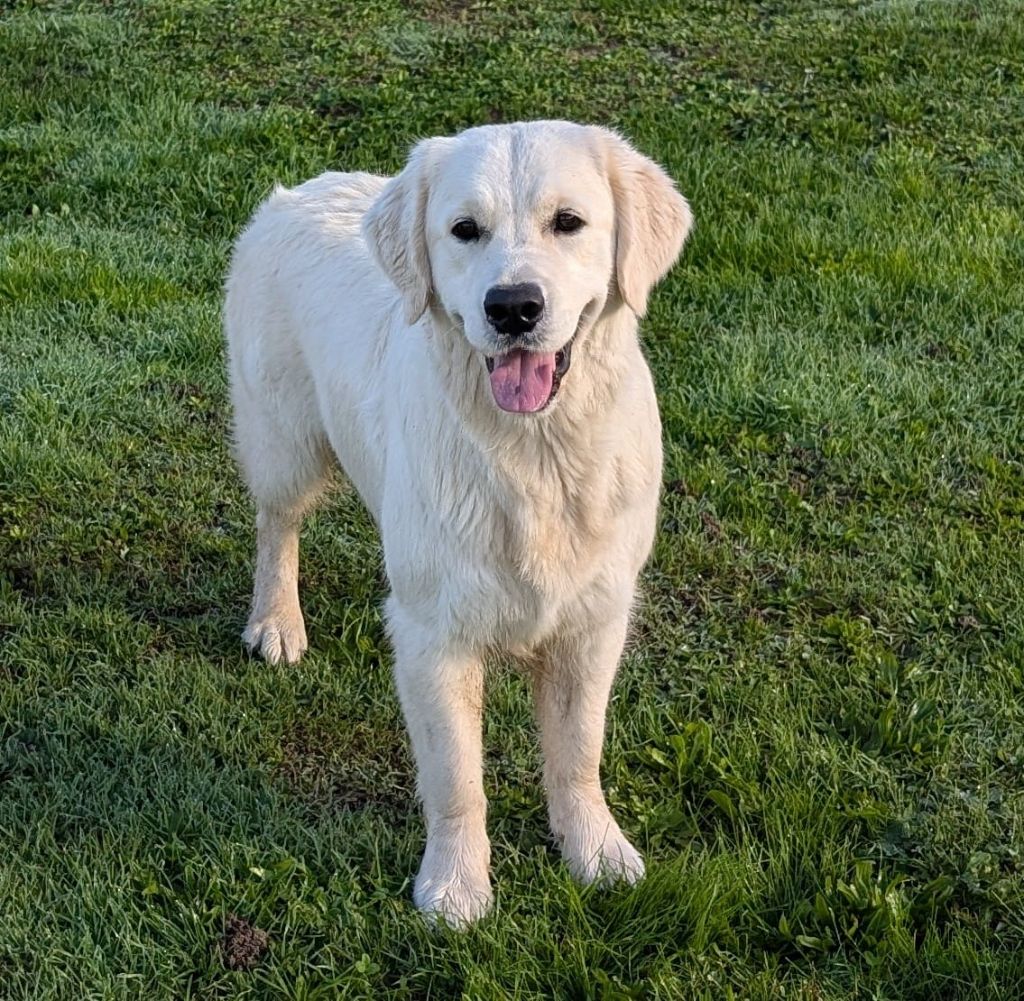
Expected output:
(817, 733)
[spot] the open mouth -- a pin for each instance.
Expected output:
(525, 382)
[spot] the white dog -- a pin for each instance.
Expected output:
(462, 339)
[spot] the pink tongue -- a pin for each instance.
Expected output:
(521, 380)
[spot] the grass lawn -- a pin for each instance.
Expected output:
(817, 736)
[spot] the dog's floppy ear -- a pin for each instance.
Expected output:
(394, 228)
(652, 221)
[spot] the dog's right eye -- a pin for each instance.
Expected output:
(466, 230)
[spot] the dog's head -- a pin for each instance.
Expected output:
(521, 233)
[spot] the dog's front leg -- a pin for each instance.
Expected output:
(572, 683)
(441, 690)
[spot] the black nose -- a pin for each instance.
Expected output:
(514, 309)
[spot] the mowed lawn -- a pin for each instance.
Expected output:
(817, 736)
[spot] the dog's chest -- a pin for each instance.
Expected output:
(552, 543)
(548, 544)
(503, 553)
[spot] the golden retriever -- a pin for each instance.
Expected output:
(462, 340)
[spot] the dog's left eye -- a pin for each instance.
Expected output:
(567, 222)
(466, 230)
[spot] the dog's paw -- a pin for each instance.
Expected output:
(277, 636)
(597, 852)
(457, 900)
(454, 884)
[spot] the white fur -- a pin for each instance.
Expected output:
(356, 335)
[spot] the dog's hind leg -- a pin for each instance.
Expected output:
(286, 470)
(276, 628)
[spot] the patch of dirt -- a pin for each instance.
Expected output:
(808, 462)
(349, 767)
(337, 108)
(181, 391)
(243, 945)
(799, 484)
(23, 580)
(711, 525)
(808, 465)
